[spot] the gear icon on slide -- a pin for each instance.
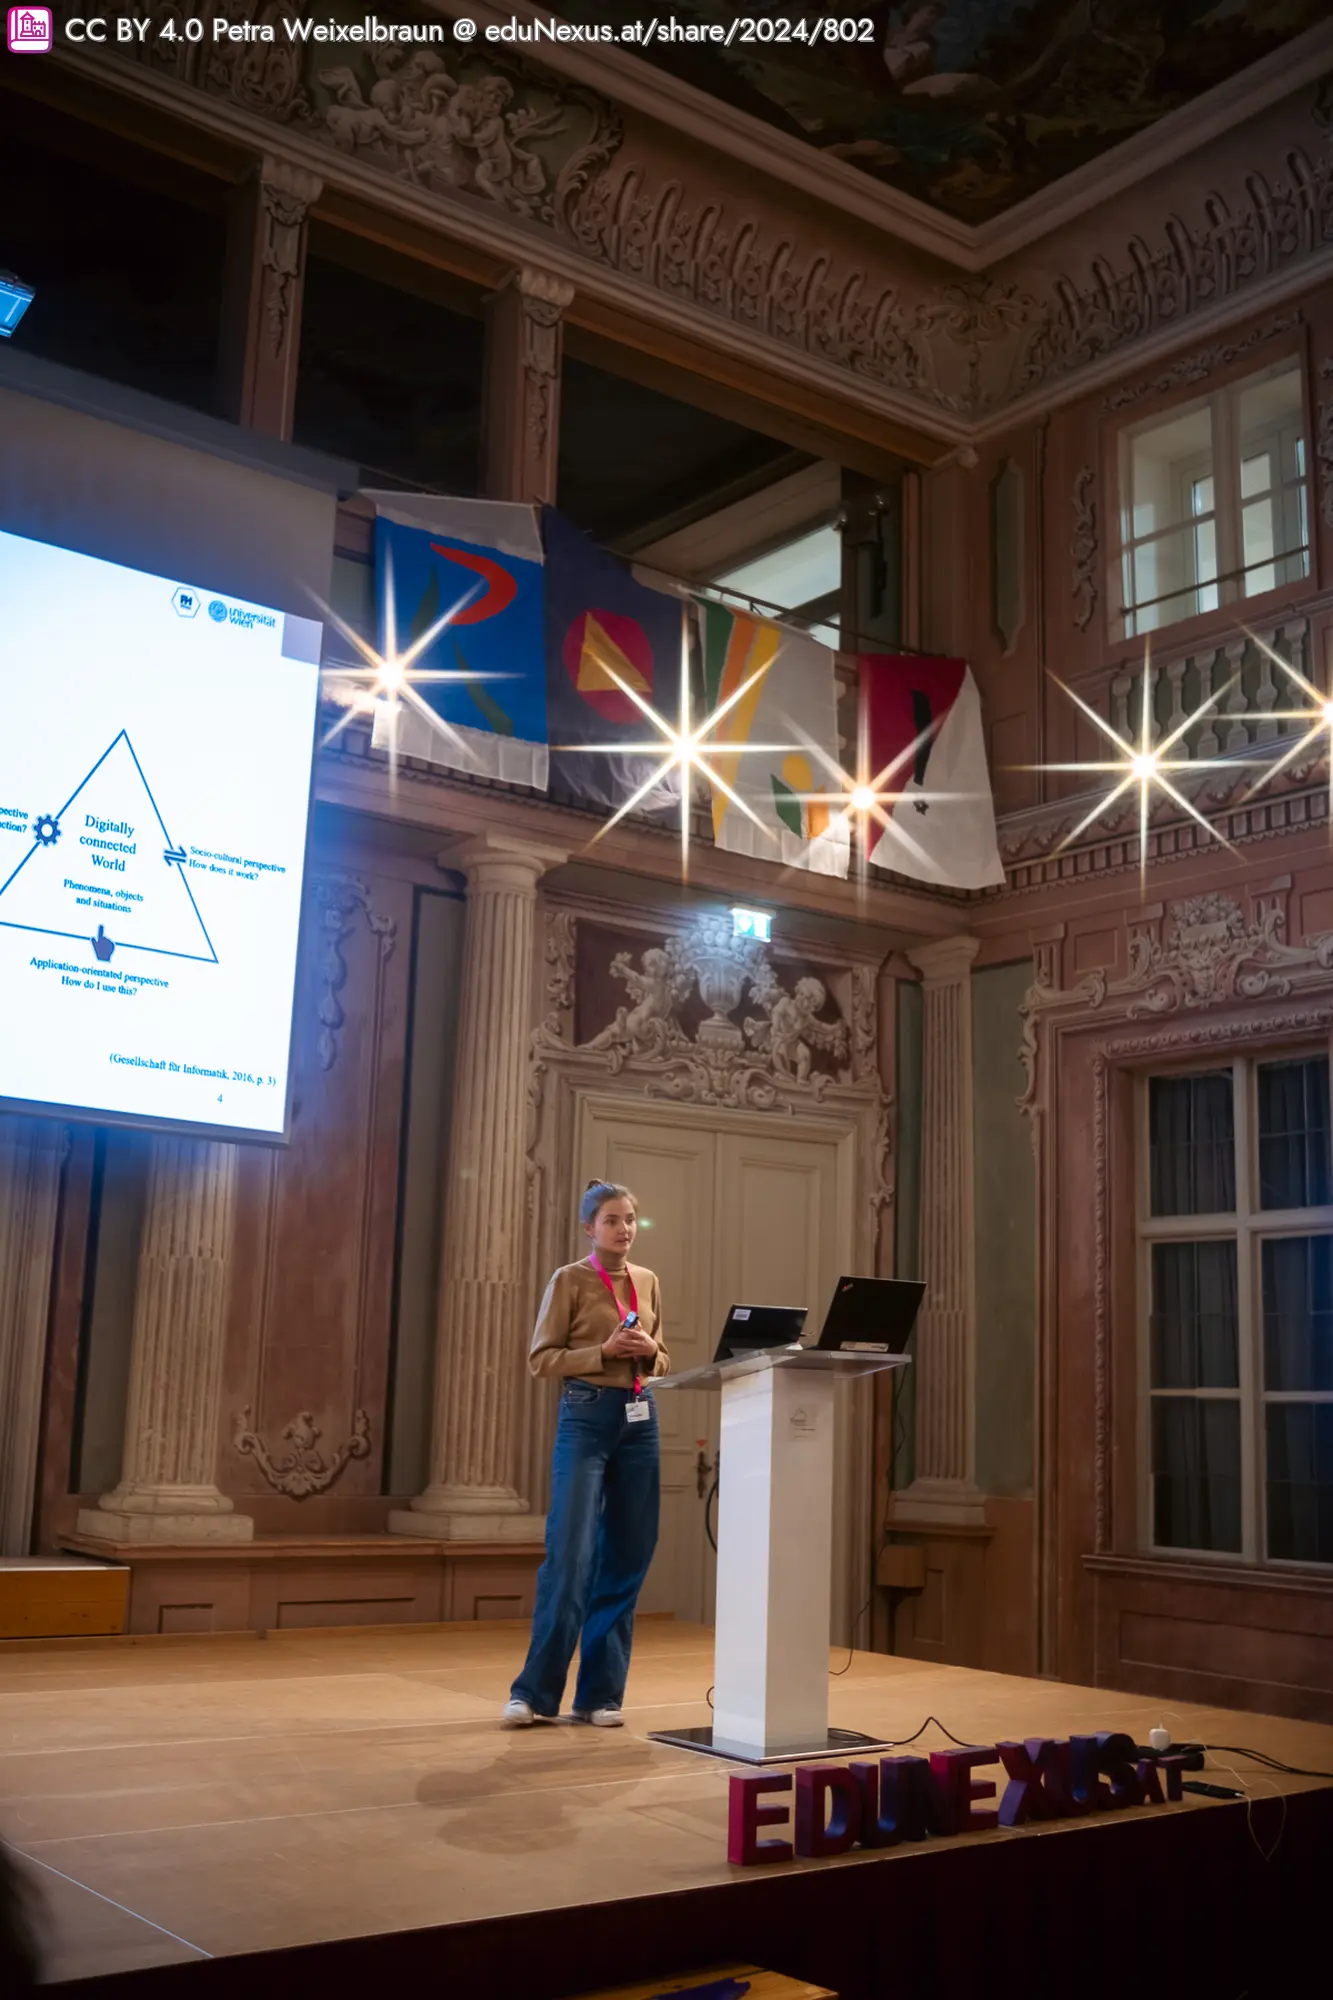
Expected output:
(46, 829)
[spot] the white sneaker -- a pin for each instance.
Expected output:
(600, 1718)
(518, 1715)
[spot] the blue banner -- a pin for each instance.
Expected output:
(469, 573)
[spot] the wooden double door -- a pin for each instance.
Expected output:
(733, 1210)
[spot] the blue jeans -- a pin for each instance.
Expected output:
(601, 1531)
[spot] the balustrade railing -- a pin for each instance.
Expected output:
(1255, 695)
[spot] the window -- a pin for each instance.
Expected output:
(1236, 1272)
(803, 579)
(1214, 502)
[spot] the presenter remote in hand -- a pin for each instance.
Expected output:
(598, 1334)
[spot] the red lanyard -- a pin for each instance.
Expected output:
(622, 1312)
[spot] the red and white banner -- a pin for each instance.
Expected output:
(922, 742)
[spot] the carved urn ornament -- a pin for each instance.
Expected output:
(722, 967)
(758, 1063)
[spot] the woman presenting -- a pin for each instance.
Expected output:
(598, 1332)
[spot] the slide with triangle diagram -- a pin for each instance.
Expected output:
(103, 870)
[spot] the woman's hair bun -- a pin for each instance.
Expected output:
(597, 1194)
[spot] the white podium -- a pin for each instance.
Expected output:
(774, 1553)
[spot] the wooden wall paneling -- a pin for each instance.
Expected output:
(491, 1586)
(1077, 1351)
(1008, 1629)
(311, 1308)
(943, 1621)
(1123, 1468)
(884, 1387)
(57, 1506)
(1187, 1632)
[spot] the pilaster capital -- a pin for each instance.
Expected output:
(536, 287)
(295, 185)
(495, 861)
(945, 961)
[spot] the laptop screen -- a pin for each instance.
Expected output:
(751, 1328)
(872, 1315)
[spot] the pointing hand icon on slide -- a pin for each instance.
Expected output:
(103, 945)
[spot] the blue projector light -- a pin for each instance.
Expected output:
(15, 298)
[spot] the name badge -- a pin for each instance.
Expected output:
(638, 1413)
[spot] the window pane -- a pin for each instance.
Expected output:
(1298, 1312)
(796, 574)
(1258, 547)
(1193, 1319)
(1192, 1145)
(1295, 1170)
(1169, 471)
(1196, 1473)
(1269, 422)
(1264, 409)
(1300, 1481)
(1256, 474)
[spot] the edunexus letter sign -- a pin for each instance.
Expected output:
(835, 1807)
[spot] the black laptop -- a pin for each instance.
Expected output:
(872, 1315)
(752, 1329)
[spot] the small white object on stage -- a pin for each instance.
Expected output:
(774, 1553)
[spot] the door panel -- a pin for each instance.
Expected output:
(779, 1234)
(726, 1218)
(671, 1171)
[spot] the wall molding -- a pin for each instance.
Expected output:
(957, 359)
(303, 1470)
(339, 900)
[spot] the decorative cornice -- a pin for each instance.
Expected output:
(1033, 842)
(1189, 957)
(667, 99)
(446, 145)
(1197, 367)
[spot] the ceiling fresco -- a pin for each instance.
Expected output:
(970, 105)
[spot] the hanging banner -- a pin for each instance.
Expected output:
(921, 735)
(609, 638)
(790, 700)
(477, 566)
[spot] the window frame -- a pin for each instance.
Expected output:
(1250, 1225)
(1222, 401)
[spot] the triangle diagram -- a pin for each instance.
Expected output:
(104, 872)
(600, 651)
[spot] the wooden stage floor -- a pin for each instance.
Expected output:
(187, 1800)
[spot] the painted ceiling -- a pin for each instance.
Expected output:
(970, 105)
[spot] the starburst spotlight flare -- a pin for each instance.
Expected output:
(390, 681)
(1146, 766)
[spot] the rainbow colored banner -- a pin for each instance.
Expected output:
(790, 700)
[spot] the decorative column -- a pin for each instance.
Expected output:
(31, 1152)
(482, 1331)
(265, 274)
(168, 1487)
(521, 396)
(945, 1488)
